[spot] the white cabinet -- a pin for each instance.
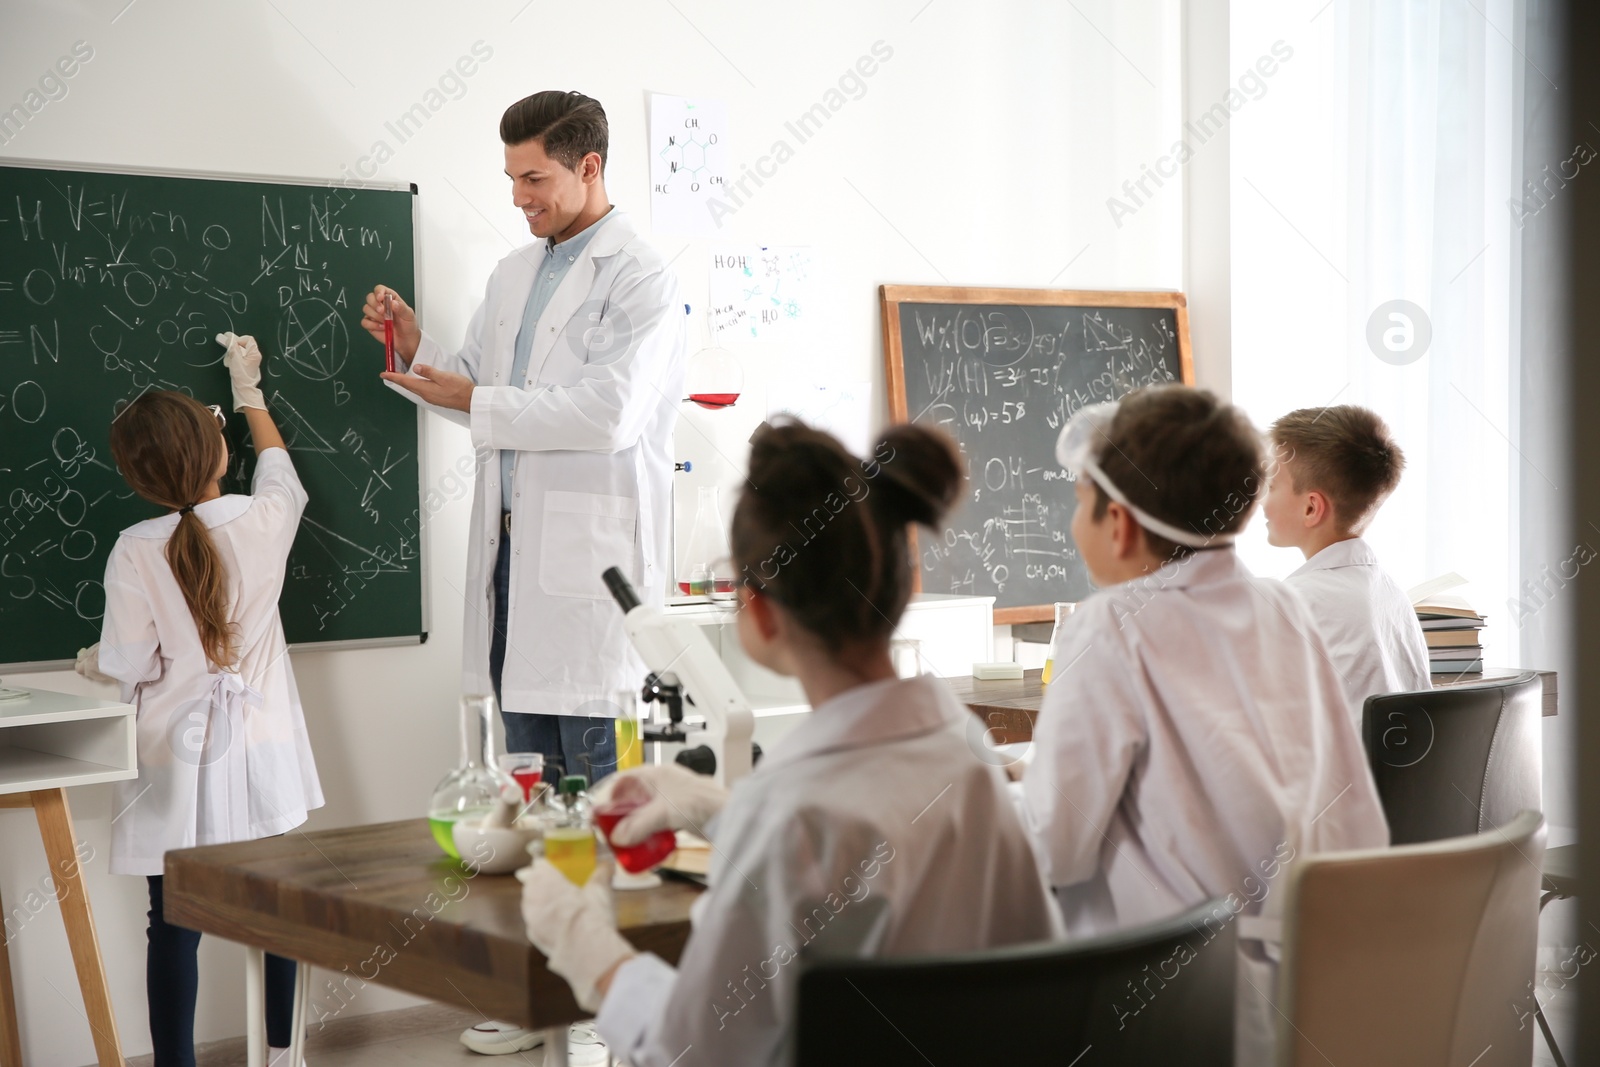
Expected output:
(49, 740)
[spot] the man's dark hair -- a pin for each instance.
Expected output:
(569, 125)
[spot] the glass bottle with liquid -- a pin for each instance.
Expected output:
(569, 830)
(714, 378)
(476, 785)
(1063, 612)
(705, 569)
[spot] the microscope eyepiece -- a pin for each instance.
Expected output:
(622, 590)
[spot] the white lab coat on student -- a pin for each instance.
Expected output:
(1372, 632)
(223, 755)
(1194, 738)
(872, 830)
(591, 488)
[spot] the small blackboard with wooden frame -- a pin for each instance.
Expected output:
(1002, 370)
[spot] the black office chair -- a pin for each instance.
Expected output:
(1457, 761)
(1161, 993)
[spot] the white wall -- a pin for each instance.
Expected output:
(983, 152)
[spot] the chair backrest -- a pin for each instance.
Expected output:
(1420, 955)
(1456, 761)
(1161, 993)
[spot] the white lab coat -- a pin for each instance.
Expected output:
(872, 830)
(592, 485)
(223, 755)
(1372, 632)
(1193, 740)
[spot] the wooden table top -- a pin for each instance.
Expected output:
(1010, 706)
(382, 904)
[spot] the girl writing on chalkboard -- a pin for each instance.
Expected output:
(191, 630)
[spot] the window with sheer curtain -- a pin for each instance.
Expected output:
(1369, 219)
(1396, 193)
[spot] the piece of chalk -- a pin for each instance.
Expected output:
(989, 672)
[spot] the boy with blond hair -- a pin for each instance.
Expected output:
(1194, 740)
(1334, 468)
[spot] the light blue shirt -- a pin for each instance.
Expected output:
(558, 259)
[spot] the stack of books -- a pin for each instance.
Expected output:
(1450, 626)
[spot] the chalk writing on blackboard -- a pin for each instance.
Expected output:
(1003, 375)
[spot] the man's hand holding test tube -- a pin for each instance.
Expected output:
(385, 314)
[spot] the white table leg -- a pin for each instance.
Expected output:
(255, 1009)
(555, 1047)
(302, 1005)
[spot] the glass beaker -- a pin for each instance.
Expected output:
(473, 788)
(1063, 612)
(708, 549)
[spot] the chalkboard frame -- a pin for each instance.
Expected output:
(425, 616)
(891, 297)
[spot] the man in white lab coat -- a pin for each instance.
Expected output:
(1334, 468)
(569, 378)
(1194, 739)
(569, 381)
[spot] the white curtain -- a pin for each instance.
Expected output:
(1378, 168)
(1390, 159)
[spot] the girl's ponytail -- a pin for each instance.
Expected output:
(169, 449)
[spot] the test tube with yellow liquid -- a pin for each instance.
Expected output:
(630, 739)
(1063, 610)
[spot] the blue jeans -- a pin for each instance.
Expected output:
(172, 979)
(580, 744)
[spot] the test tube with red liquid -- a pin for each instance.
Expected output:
(388, 331)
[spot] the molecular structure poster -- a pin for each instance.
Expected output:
(760, 293)
(688, 163)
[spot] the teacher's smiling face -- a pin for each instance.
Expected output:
(550, 195)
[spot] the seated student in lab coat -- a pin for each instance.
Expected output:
(1194, 738)
(191, 630)
(1334, 468)
(873, 829)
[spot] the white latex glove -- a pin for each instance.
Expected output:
(244, 369)
(574, 928)
(88, 665)
(674, 798)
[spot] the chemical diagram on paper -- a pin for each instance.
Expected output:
(688, 162)
(760, 294)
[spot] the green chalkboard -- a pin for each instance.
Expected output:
(113, 283)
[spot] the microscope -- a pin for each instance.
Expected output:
(684, 667)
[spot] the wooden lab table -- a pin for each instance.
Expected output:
(49, 741)
(382, 904)
(1010, 706)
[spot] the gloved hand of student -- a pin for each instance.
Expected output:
(88, 664)
(244, 369)
(671, 798)
(573, 927)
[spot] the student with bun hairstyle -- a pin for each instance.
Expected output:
(872, 829)
(191, 631)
